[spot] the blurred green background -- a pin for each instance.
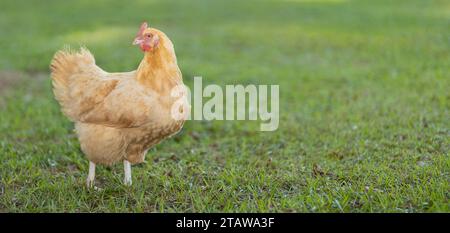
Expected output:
(364, 106)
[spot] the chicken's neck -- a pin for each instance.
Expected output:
(159, 70)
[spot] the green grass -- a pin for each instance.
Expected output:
(364, 107)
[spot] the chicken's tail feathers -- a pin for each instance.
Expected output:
(65, 64)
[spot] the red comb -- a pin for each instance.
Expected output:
(144, 26)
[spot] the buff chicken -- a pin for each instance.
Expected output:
(118, 117)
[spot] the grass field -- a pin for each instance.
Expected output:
(364, 107)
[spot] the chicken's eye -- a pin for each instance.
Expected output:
(149, 35)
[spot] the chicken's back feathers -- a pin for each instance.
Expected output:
(88, 94)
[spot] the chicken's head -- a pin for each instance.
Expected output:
(147, 38)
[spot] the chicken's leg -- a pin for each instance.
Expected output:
(127, 169)
(91, 175)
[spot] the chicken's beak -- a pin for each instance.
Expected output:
(138, 41)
